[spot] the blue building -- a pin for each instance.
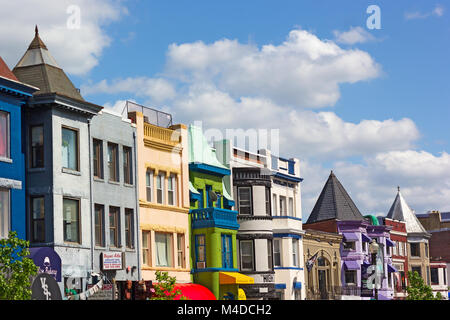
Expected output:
(13, 94)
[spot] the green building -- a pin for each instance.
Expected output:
(213, 222)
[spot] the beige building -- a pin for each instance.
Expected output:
(163, 187)
(322, 265)
(417, 237)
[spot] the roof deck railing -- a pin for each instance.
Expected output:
(152, 116)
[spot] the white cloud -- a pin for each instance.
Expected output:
(352, 36)
(303, 71)
(438, 11)
(157, 89)
(77, 51)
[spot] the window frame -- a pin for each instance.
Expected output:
(78, 220)
(160, 190)
(169, 249)
(249, 206)
(227, 255)
(252, 255)
(5, 222)
(31, 147)
(97, 146)
(283, 212)
(101, 225)
(34, 220)
(149, 177)
(295, 251)
(116, 227)
(197, 246)
(275, 253)
(8, 135)
(172, 179)
(268, 202)
(127, 153)
(181, 261)
(113, 165)
(146, 250)
(129, 231)
(414, 244)
(270, 259)
(354, 276)
(77, 136)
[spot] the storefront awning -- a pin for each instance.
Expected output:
(234, 278)
(351, 265)
(366, 238)
(297, 285)
(389, 243)
(350, 236)
(391, 268)
(194, 291)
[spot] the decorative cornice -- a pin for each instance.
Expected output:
(161, 228)
(162, 146)
(145, 204)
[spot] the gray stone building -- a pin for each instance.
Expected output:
(57, 164)
(114, 196)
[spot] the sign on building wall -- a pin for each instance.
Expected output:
(45, 287)
(112, 261)
(105, 293)
(48, 261)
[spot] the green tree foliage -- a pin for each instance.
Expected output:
(164, 289)
(16, 270)
(418, 290)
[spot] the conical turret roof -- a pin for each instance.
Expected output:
(334, 203)
(38, 68)
(401, 211)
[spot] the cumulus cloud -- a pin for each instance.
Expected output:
(157, 89)
(438, 11)
(303, 71)
(352, 36)
(77, 51)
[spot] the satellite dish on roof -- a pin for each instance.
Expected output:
(212, 195)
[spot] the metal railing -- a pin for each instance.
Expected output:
(152, 116)
(331, 293)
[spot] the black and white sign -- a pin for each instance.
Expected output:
(45, 287)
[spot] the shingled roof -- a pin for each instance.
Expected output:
(5, 72)
(334, 203)
(401, 211)
(38, 68)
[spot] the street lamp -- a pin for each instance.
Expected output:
(373, 249)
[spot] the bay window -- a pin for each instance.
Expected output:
(163, 243)
(71, 214)
(69, 146)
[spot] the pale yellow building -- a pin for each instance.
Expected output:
(163, 193)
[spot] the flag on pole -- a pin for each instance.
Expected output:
(311, 261)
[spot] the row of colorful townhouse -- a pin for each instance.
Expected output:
(126, 195)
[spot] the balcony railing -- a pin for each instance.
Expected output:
(167, 136)
(214, 217)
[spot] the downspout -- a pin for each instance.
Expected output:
(137, 226)
(90, 195)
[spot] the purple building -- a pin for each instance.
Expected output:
(336, 212)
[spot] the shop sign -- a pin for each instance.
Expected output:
(105, 293)
(45, 287)
(112, 261)
(365, 291)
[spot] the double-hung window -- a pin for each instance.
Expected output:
(4, 134)
(160, 188)
(98, 158)
(244, 198)
(269, 254)
(149, 184)
(171, 190)
(291, 207)
(268, 201)
(72, 225)
(277, 252)
(146, 253)
(99, 213)
(37, 219)
(246, 255)
(129, 227)
(295, 252)
(180, 251)
(127, 169)
(114, 224)
(163, 243)
(227, 251)
(37, 146)
(200, 251)
(69, 147)
(5, 213)
(113, 161)
(283, 209)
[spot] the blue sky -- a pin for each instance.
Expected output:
(413, 53)
(374, 109)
